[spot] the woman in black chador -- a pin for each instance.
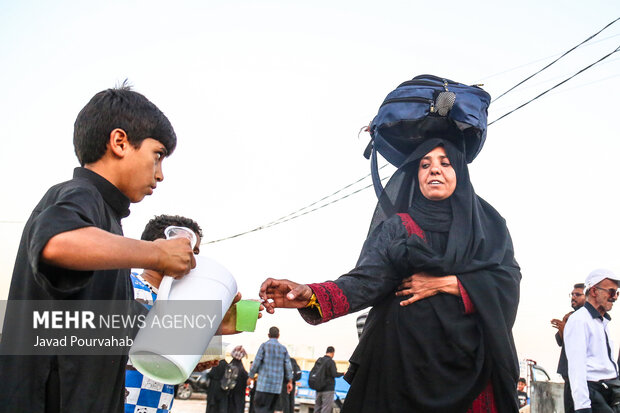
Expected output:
(236, 396)
(439, 270)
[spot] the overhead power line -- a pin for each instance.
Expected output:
(553, 87)
(564, 54)
(286, 217)
(485, 79)
(292, 216)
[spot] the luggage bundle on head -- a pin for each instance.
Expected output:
(424, 107)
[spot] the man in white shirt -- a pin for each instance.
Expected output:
(589, 350)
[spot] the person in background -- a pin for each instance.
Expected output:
(252, 385)
(325, 397)
(273, 364)
(592, 369)
(141, 392)
(217, 397)
(236, 396)
(286, 402)
(577, 300)
(521, 394)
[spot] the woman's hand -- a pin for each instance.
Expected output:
(284, 294)
(423, 285)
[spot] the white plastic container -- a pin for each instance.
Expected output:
(208, 281)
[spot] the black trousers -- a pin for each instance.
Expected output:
(265, 402)
(601, 398)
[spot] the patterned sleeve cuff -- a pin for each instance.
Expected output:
(331, 300)
(469, 305)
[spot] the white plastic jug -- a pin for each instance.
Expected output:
(208, 281)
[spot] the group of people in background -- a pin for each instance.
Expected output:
(272, 380)
(587, 362)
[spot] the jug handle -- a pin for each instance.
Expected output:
(174, 232)
(164, 288)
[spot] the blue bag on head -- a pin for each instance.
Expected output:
(427, 106)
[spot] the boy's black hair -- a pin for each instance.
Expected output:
(330, 349)
(155, 227)
(124, 109)
(274, 332)
(522, 380)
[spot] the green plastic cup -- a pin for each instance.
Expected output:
(247, 314)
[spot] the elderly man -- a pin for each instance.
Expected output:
(577, 300)
(592, 369)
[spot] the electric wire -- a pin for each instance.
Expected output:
(484, 79)
(543, 82)
(564, 54)
(553, 87)
(284, 218)
(291, 216)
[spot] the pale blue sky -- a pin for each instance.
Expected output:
(267, 99)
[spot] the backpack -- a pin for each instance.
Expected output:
(427, 106)
(317, 379)
(229, 380)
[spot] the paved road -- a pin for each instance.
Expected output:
(196, 404)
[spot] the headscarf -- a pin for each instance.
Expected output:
(238, 353)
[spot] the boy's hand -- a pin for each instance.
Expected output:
(176, 257)
(229, 322)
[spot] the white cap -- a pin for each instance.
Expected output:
(599, 275)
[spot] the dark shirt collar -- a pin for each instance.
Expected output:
(594, 312)
(111, 194)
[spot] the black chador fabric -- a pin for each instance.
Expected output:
(236, 396)
(430, 356)
(217, 398)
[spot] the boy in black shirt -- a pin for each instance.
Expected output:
(73, 248)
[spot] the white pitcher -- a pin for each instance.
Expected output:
(208, 281)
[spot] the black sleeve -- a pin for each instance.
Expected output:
(558, 339)
(333, 371)
(73, 208)
(374, 276)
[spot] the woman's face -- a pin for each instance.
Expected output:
(436, 176)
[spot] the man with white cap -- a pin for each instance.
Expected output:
(592, 368)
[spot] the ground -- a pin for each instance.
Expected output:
(196, 404)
